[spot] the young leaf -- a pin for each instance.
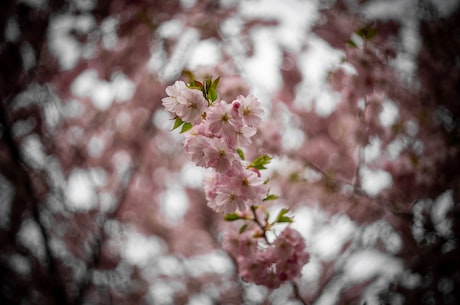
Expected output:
(186, 127)
(260, 162)
(240, 153)
(177, 123)
(232, 217)
(212, 94)
(282, 216)
(270, 197)
(215, 83)
(367, 32)
(351, 43)
(190, 75)
(243, 228)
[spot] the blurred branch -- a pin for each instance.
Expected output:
(361, 141)
(297, 294)
(100, 236)
(22, 176)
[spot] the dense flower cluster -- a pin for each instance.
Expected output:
(216, 134)
(219, 130)
(271, 265)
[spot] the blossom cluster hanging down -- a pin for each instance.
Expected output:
(216, 134)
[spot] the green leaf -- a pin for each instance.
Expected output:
(240, 153)
(189, 74)
(243, 228)
(282, 216)
(215, 83)
(270, 197)
(177, 123)
(186, 127)
(367, 32)
(260, 162)
(212, 94)
(351, 43)
(232, 217)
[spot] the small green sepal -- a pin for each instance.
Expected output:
(240, 153)
(243, 228)
(177, 123)
(270, 197)
(186, 127)
(232, 217)
(282, 216)
(260, 162)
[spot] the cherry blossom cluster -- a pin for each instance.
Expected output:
(216, 134)
(271, 265)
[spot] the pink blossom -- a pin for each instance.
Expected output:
(195, 105)
(218, 155)
(270, 265)
(250, 186)
(171, 103)
(221, 120)
(194, 148)
(251, 110)
(227, 201)
(244, 134)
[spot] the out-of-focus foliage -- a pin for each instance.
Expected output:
(99, 205)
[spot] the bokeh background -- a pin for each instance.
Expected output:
(99, 205)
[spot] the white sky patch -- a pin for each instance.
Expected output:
(174, 203)
(65, 47)
(292, 138)
(368, 263)
(445, 7)
(293, 26)
(412, 128)
(12, 31)
(101, 92)
(170, 266)
(20, 264)
(396, 147)
(170, 29)
(122, 161)
(192, 175)
(33, 150)
(315, 63)
(381, 231)
(441, 207)
(29, 235)
(329, 240)
(186, 42)
(374, 180)
(85, 5)
(28, 56)
(161, 292)
(212, 262)
(200, 299)
(80, 191)
(109, 32)
(139, 249)
(96, 145)
(206, 53)
(263, 67)
(373, 149)
(305, 221)
(389, 113)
